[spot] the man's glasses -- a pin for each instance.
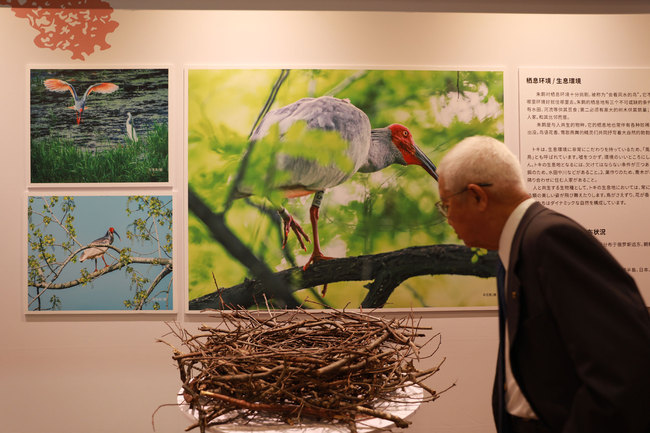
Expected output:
(444, 208)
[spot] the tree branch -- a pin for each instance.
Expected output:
(166, 271)
(386, 270)
(114, 267)
(221, 233)
(346, 82)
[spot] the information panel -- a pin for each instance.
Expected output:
(585, 151)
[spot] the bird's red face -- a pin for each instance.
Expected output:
(413, 155)
(112, 230)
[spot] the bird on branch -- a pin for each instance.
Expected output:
(315, 144)
(98, 249)
(56, 85)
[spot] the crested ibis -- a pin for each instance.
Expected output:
(98, 249)
(363, 150)
(130, 128)
(56, 85)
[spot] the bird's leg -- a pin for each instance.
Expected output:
(291, 224)
(95, 265)
(317, 254)
(104, 261)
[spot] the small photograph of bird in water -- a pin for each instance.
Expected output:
(99, 125)
(321, 185)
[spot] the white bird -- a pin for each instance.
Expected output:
(98, 250)
(130, 128)
(312, 166)
(56, 85)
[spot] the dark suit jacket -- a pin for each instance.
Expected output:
(579, 329)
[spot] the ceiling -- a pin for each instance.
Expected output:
(498, 6)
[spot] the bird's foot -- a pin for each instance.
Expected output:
(291, 224)
(316, 257)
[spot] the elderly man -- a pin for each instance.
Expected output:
(574, 351)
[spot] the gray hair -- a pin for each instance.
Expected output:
(482, 159)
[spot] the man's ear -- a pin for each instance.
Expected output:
(479, 195)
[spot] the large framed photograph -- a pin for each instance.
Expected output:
(99, 253)
(317, 187)
(99, 125)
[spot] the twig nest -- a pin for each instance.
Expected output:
(334, 366)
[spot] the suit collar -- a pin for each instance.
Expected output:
(533, 209)
(509, 229)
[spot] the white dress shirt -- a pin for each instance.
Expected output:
(516, 403)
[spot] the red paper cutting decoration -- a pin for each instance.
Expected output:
(70, 25)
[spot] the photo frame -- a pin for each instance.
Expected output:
(361, 218)
(99, 254)
(97, 126)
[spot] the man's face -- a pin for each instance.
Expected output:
(463, 214)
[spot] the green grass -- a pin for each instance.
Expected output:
(59, 160)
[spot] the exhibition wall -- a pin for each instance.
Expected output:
(104, 371)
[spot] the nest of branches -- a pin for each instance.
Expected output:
(299, 366)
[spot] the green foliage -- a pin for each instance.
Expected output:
(158, 214)
(43, 244)
(57, 159)
(369, 213)
(264, 174)
(55, 303)
(146, 230)
(478, 253)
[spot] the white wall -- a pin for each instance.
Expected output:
(68, 374)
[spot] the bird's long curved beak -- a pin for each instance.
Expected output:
(118, 235)
(426, 163)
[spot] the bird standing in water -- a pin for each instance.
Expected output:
(130, 128)
(56, 85)
(98, 248)
(315, 167)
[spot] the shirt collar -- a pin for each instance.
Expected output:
(509, 229)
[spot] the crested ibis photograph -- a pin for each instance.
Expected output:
(99, 125)
(99, 253)
(317, 188)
